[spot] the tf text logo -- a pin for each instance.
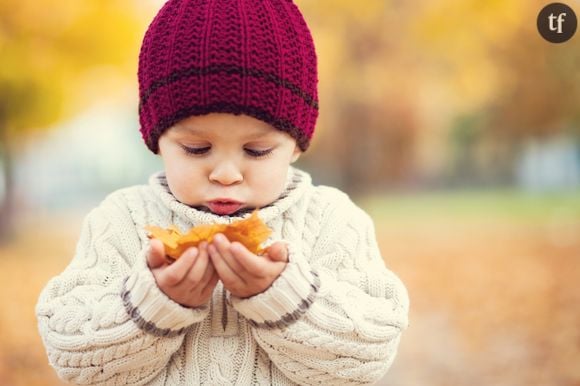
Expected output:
(557, 22)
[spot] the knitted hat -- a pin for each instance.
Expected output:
(252, 57)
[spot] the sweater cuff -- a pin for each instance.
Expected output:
(287, 299)
(153, 311)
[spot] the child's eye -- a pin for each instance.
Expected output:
(195, 150)
(258, 153)
(203, 150)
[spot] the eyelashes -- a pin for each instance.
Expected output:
(203, 150)
(258, 153)
(194, 150)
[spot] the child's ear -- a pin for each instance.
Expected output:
(296, 154)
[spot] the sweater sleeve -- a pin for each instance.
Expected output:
(103, 320)
(336, 316)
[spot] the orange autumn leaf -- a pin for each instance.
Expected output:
(251, 232)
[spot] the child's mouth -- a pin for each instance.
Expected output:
(224, 207)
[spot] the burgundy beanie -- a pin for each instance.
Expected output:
(252, 57)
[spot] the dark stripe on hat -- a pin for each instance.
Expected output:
(197, 71)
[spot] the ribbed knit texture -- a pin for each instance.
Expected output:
(334, 316)
(233, 56)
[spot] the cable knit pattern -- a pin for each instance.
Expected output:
(335, 314)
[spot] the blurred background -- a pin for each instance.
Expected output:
(452, 122)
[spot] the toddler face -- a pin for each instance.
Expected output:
(222, 156)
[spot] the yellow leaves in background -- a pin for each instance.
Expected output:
(463, 39)
(48, 47)
(251, 232)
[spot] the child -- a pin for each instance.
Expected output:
(228, 100)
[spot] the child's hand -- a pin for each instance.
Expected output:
(189, 280)
(242, 272)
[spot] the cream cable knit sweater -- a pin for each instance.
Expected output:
(334, 315)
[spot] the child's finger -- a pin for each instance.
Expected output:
(206, 292)
(209, 273)
(223, 247)
(199, 267)
(251, 263)
(278, 252)
(224, 271)
(156, 254)
(176, 272)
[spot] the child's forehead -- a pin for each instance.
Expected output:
(219, 124)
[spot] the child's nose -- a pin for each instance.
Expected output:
(226, 173)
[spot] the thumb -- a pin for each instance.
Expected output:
(156, 255)
(278, 251)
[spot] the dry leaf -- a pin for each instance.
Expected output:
(251, 232)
